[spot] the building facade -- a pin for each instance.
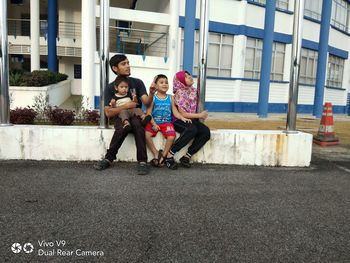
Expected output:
(161, 36)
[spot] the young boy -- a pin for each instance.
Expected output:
(121, 97)
(161, 109)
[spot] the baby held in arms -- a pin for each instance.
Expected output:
(123, 96)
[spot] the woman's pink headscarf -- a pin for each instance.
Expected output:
(185, 97)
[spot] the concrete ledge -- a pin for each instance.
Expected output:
(80, 143)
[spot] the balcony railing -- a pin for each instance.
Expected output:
(21, 27)
(136, 41)
(122, 40)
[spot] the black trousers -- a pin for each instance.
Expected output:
(188, 131)
(120, 135)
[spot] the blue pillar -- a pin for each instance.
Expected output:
(322, 57)
(266, 61)
(189, 31)
(52, 35)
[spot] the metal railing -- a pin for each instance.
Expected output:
(61, 50)
(21, 27)
(69, 30)
(121, 40)
(137, 41)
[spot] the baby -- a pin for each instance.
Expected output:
(122, 97)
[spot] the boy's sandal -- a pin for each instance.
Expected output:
(154, 162)
(160, 158)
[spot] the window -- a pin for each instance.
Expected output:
(308, 66)
(220, 52)
(282, 4)
(77, 71)
(340, 14)
(313, 9)
(253, 56)
(335, 71)
(277, 67)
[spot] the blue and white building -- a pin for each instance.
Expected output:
(161, 36)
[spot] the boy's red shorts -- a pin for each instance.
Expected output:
(167, 129)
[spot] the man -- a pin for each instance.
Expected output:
(121, 67)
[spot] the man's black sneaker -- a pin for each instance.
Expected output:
(142, 169)
(102, 165)
(185, 161)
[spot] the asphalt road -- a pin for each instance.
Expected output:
(72, 213)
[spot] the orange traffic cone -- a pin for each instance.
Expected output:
(326, 134)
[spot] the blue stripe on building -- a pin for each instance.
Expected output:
(51, 35)
(322, 58)
(332, 50)
(251, 107)
(189, 31)
(231, 29)
(266, 61)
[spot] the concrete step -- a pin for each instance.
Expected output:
(83, 143)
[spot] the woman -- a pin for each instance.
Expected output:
(186, 98)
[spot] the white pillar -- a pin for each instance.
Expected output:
(34, 35)
(174, 41)
(238, 62)
(88, 40)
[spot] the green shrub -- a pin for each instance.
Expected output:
(39, 78)
(15, 77)
(36, 79)
(61, 77)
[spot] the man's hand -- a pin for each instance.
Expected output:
(113, 103)
(152, 88)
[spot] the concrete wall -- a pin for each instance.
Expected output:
(72, 143)
(24, 96)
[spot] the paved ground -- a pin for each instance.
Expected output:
(204, 214)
